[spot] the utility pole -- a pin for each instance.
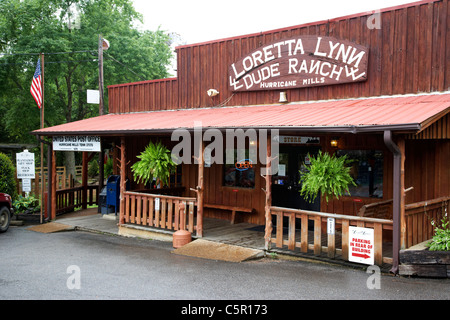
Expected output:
(101, 108)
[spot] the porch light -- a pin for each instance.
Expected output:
(334, 142)
(283, 97)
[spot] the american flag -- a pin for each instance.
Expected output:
(36, 85)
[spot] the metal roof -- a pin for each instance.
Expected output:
(410, 113)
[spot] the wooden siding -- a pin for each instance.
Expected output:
(437, 130)
(143, 96)
(427, 169)
(408, 54)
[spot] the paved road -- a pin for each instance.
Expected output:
(81, 265)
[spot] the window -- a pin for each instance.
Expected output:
(241, 173)
(367, 171)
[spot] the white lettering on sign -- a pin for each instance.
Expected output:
(361, 245)
(300, 62)
(77, 143)
(25, 165)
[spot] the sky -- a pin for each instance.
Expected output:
(198, 21)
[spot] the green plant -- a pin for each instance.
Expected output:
(93, 169)
(441, 238)
(108, 167)
(326, 175)
(7, 178)
(155, 162)
(23, 204)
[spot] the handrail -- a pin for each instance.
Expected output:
(339, 237)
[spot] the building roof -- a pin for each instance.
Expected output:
(408, 113)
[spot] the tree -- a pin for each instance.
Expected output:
(67, 31)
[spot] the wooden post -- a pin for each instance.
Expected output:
(123, 160)
(268, 192)
(200, 189)
(84, 179)
(53, 182)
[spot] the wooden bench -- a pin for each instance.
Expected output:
(233, 209)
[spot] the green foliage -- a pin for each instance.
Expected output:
(23, 204)
(155, 162)
(108, 167)
(93, 169)
(7, 176)
(441, 238)
(327, 175)
(28, 27)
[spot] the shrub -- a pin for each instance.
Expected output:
(24, 204)
(7, 179)
(441, 238)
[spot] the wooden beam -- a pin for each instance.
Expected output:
(53, 182)
(268, 193)
(200, 190)
(123, 160)
(84, 179)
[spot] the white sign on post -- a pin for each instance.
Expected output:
(93, 96)
(26, 185)
(330, 225)
(25, 165)
(361, 245)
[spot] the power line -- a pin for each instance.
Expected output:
(48, 62)
(45, 53)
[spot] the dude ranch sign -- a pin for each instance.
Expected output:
(300, 62)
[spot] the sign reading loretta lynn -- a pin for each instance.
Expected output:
(304, 61)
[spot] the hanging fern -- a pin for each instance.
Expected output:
(155, 162)
(327, 175)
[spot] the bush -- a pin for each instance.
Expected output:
(93, 169)
(7, 178)
(441, 238)
(24, 204)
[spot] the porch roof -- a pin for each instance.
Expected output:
(407, 113)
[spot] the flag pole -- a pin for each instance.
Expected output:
(42, 144)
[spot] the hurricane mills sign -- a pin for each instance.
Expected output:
(304, 61)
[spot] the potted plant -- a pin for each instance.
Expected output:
(155, 162)
(326, 175)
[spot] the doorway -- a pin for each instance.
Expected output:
(285, 185)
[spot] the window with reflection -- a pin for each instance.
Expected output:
(367, 171)
(241, 173)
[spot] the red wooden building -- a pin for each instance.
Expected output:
(373, 86)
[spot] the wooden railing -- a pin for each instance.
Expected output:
(160, 211)
(419, 217)
(335, 244)
(68, 200)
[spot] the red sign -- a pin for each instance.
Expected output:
(305, 61)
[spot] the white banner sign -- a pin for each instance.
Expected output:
(77, 143)
(25, 165)
(361, 245)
